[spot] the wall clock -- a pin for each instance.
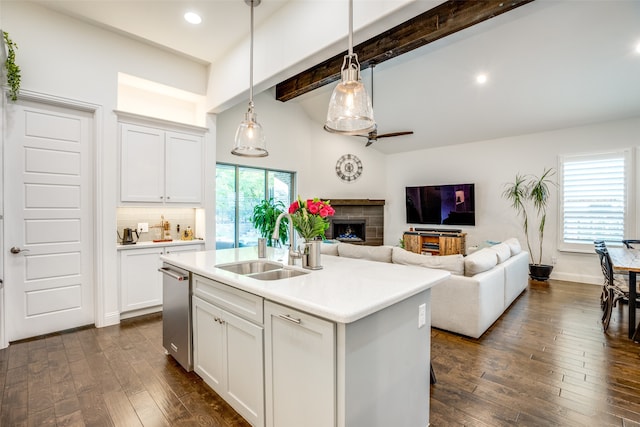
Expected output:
(348, 168)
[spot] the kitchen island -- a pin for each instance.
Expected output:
(347, 346)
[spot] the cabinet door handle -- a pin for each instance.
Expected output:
(289, 318)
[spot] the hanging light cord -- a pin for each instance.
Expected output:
(251, 64)
(350, 27)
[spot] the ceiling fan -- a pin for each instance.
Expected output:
(373, 136)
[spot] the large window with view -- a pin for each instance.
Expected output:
(594, 199)
(238, 190)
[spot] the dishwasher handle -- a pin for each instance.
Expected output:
(173, 274)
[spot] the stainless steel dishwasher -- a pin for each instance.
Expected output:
(176, 314)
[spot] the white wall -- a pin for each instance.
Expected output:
(490, 164)
(63, 57)
(295, 143)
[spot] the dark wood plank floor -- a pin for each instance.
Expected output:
(545, 362)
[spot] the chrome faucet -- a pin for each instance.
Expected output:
(293, 254)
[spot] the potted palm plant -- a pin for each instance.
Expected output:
(264, 218)
(529, 197)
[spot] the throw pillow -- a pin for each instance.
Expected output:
(514, 245)
(371, 253)
(451, 263)
(502, 251)
(479, 261)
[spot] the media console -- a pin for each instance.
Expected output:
(435, 241)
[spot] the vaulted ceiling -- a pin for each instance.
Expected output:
(549, 65)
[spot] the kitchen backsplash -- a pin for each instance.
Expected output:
(130, 217)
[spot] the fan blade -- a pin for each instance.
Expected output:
(391, 134)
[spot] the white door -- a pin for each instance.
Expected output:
(48, 219)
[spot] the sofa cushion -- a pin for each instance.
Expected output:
(329, 247)
(479, 261)
(502, 250)
(371, 253)
(514, 245)
(451, 263)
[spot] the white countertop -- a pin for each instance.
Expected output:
(149, 244)
(344, 291)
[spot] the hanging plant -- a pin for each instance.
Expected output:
(13, 71)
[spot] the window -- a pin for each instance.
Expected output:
(594, 199)
(238, 190)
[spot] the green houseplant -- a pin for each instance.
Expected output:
(12, 69)
(264, 218)
(529, 197)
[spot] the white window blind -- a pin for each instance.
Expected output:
(594, 198)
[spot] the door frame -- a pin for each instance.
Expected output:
(96, 189)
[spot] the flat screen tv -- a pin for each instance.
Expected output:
(441, 204)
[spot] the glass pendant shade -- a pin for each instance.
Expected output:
(250, 139)
(350, 111)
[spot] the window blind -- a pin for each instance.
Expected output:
(593, 199)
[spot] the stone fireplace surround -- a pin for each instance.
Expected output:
(358, 212)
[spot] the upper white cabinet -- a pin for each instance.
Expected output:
(160, 162)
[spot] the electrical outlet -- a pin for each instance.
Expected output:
(422, 315)
(554, 260)
(143, 227)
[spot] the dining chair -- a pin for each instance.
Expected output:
(614, 289)
(607, 296)
(629, 242)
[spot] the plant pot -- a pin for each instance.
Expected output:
(540, 272)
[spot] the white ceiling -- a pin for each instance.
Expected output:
(551, 64)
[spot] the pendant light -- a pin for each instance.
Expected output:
(350, 111)
(250, 139)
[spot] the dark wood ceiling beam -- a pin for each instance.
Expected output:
(434, 24)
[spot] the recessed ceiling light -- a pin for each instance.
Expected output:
(481, 78)
(192, 18)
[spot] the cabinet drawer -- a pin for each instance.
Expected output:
(241, 303)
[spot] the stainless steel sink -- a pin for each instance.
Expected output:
(283, 273)
(250, 267)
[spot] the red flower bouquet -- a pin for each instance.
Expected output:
(310, 217)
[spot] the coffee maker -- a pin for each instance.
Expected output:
(127, 236)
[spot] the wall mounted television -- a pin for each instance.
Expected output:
(441, 204)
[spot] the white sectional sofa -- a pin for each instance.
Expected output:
(481, 287)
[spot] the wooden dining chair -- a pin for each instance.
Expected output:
(607, 296)
(615, 289)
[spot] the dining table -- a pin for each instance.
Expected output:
(628, 259)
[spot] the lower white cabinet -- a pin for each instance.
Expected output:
(228, 355)
(140, 281)
(300, 368)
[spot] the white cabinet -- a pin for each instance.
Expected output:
(227, 348)
(140, 281)
(300, 368)
(159, 164)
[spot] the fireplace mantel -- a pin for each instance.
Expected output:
(356, 202)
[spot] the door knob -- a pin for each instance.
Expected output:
(17, 250)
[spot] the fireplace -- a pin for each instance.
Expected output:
(357, 221)
(350, 230)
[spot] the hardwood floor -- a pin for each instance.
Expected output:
(545, 362)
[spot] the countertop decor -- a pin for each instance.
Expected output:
(310, 217)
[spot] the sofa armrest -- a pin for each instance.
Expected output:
(468, 305)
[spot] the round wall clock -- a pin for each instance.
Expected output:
(348, 168)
